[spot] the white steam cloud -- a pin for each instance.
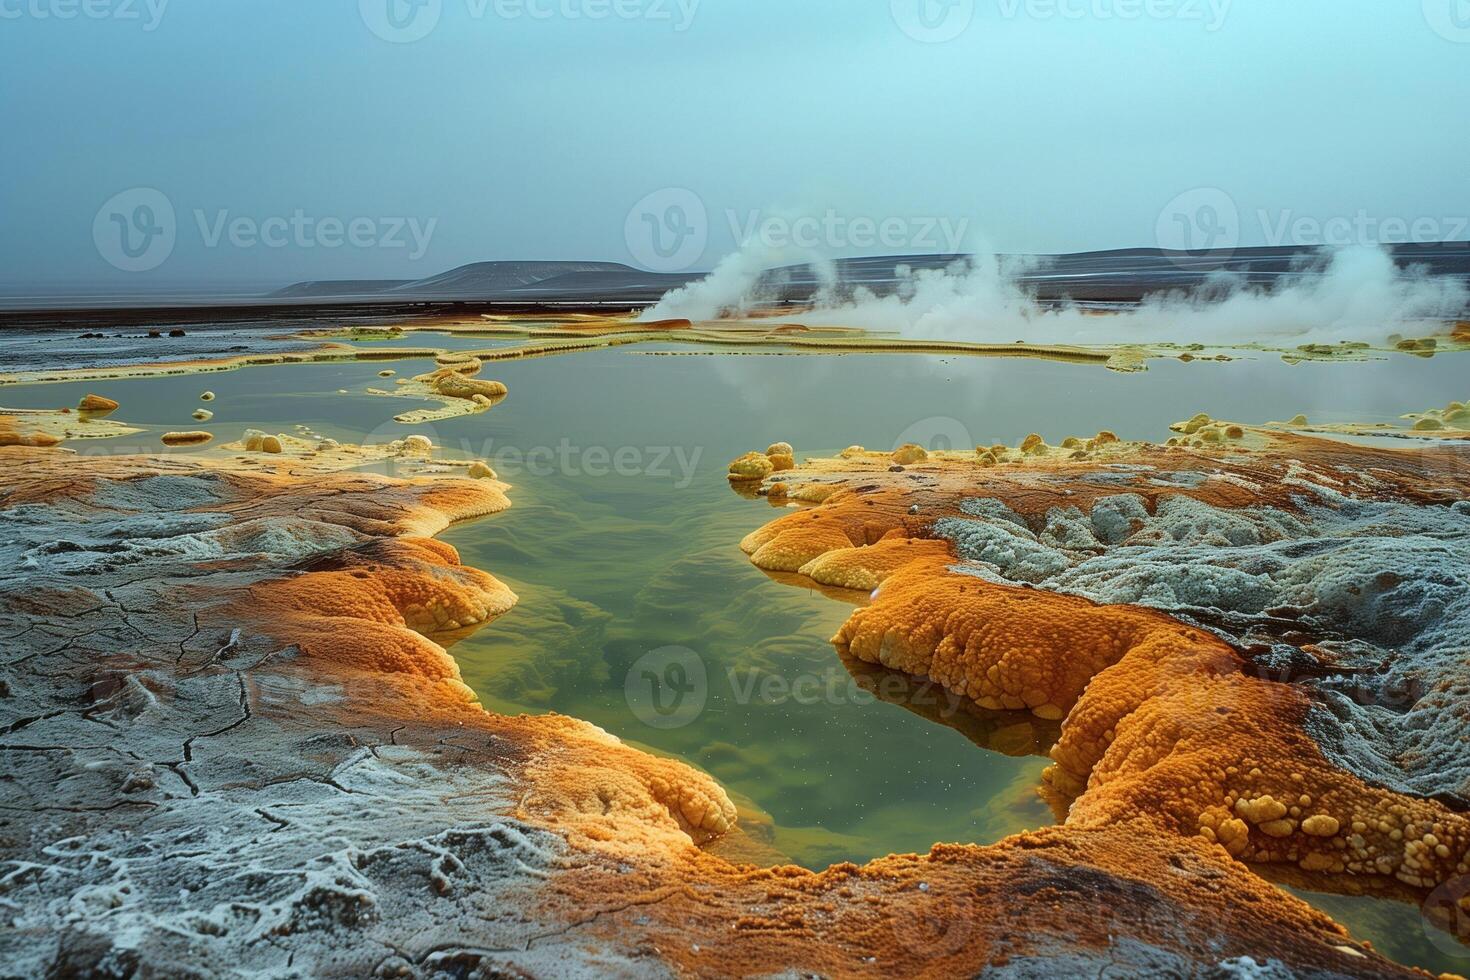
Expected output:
(1351, 294)
(733, 289)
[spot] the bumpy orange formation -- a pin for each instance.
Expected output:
(1164, 721)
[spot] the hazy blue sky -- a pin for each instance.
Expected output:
(532, 128)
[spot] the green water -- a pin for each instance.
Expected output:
(1396, 930)
(622, 544)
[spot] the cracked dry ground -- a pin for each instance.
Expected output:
(234, 744)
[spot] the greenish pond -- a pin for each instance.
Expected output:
(639, 613)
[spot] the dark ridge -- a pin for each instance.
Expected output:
(1118, 275)
(487, 280)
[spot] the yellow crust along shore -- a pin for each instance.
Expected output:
(551, 334)
(327, 353)
(274, 644)
(453, 384)
(564, 334)
(46, 427)
(1103, 584)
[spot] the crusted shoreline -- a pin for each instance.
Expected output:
(1249, 637)
(531, 336)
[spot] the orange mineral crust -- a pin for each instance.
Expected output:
(1160, 721)
(43, 428)
(869, 495)
(1165, 722)
(1056, 902)
(14, 432)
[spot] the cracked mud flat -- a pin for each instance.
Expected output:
(225, 742)
(235, 744)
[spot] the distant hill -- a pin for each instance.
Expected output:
(476, 281)
(480, 279)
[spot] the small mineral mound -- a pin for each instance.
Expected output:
(186, 438)
(452, 385)
(751, 467)
(909, 453)
(255, 441)
(96, 405)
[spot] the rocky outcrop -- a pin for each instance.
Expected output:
(1255, 640)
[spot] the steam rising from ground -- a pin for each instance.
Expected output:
(734, 288)
(730, 290)
(1351, 294)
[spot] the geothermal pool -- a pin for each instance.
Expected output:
(639, 613)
